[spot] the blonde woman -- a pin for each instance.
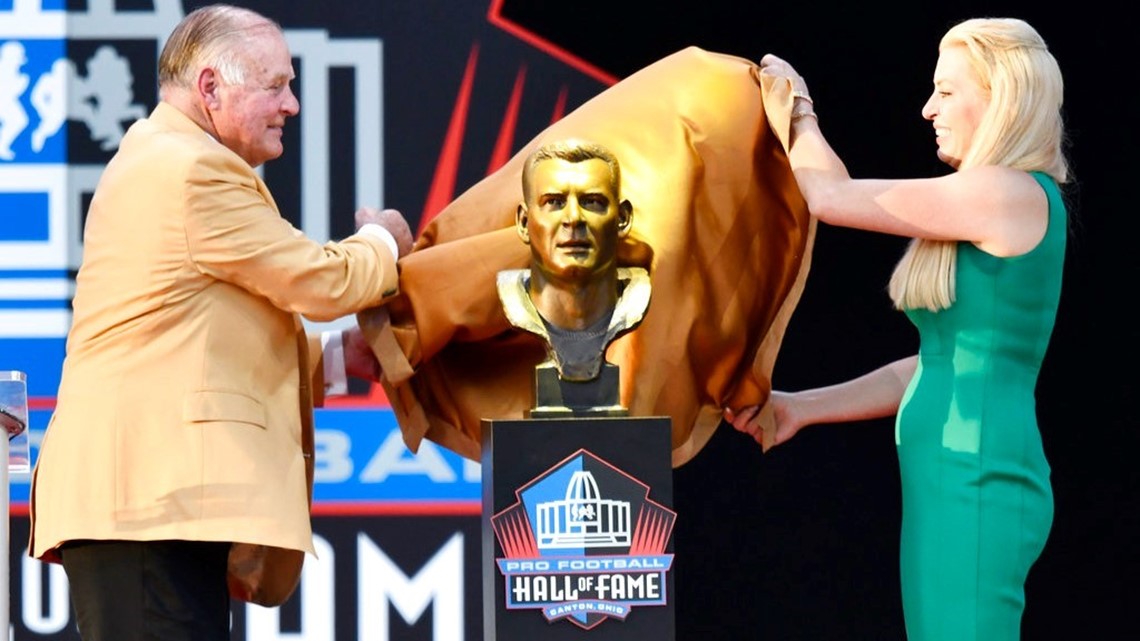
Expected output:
(981, 281)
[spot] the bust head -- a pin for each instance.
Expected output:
(573, 219)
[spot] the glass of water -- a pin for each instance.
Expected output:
(14, 417)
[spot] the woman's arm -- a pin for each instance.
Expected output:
(1002, 210)
(873, 395)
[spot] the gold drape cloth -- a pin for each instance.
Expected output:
(718, 221)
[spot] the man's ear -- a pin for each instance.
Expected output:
(208, 85)
(521, 219)
(625, 218)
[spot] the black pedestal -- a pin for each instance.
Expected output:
(577, 529)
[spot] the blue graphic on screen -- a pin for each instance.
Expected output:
(23, 216)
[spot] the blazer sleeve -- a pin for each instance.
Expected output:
(234, 233)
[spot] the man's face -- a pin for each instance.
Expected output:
(573, 220)
(250, 117)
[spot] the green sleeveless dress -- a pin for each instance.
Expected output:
(977, 501)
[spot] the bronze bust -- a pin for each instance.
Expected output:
(574, 296)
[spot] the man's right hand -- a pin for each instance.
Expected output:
(391, 220)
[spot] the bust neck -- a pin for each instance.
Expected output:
(573, 306)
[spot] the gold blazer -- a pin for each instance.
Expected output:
(188, 383)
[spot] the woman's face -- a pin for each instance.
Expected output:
(956, 106)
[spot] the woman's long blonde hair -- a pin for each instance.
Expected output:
(1021, 128)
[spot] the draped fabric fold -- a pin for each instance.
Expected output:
(717, 220)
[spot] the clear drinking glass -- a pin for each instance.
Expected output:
(14, 418)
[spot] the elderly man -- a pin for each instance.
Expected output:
(177, 467)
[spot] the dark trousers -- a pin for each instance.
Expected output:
(149, 590)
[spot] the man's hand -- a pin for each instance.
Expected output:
(391, 220)
(359, 361)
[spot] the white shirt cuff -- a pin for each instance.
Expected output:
(382, 234)
(332, 349)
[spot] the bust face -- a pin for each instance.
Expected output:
(573, 220)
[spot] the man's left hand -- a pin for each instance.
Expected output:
(359, 361)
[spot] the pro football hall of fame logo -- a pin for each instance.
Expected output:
(584, 543)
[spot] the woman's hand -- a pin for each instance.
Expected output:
(777, 67)
(747, 420)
